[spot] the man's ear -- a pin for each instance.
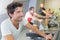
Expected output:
(11, 15)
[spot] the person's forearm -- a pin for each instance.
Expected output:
(9, 37)
(38, 15)
(36, 30)
(35, 18)
(45, 12)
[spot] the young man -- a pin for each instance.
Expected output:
(11, 27)
(31, 18)
(44, 14)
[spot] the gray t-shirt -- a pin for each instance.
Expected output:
(8, 28)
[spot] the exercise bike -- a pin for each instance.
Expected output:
(53, 22)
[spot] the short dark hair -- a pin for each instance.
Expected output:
(11, 7)
(31, 8)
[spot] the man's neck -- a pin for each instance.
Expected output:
(15, 23)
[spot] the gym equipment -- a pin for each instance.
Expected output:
(53, 22)
(34, 36)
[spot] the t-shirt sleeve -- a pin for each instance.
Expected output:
(5, 30)
(43, 8)
(40, 10)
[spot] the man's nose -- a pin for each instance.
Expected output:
(21, 14)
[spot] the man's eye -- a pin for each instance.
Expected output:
(19, 11)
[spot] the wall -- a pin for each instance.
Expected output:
(20, 0)
(38, 4)
(53, 4)
(3, 4)
(25, 5)
(32, 3)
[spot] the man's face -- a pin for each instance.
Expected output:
(42, 5)
(32, 11)
(18, 14)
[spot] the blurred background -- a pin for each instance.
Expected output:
(54, 5)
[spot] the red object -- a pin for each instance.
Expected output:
(29, 20)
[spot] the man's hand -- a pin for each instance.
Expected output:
(49, 37)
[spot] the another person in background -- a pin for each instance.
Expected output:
(51, 13)
(44, 15)
(11, 27)
(31, 18)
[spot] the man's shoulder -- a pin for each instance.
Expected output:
(5, 21)
(27, 13)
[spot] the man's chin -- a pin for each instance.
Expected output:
(20, 19)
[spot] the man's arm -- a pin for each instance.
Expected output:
(35, 18)
(40, 16)
(36, 30)
(9, 37)
(45, 12)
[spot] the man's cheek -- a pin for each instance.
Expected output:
(15, 17)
